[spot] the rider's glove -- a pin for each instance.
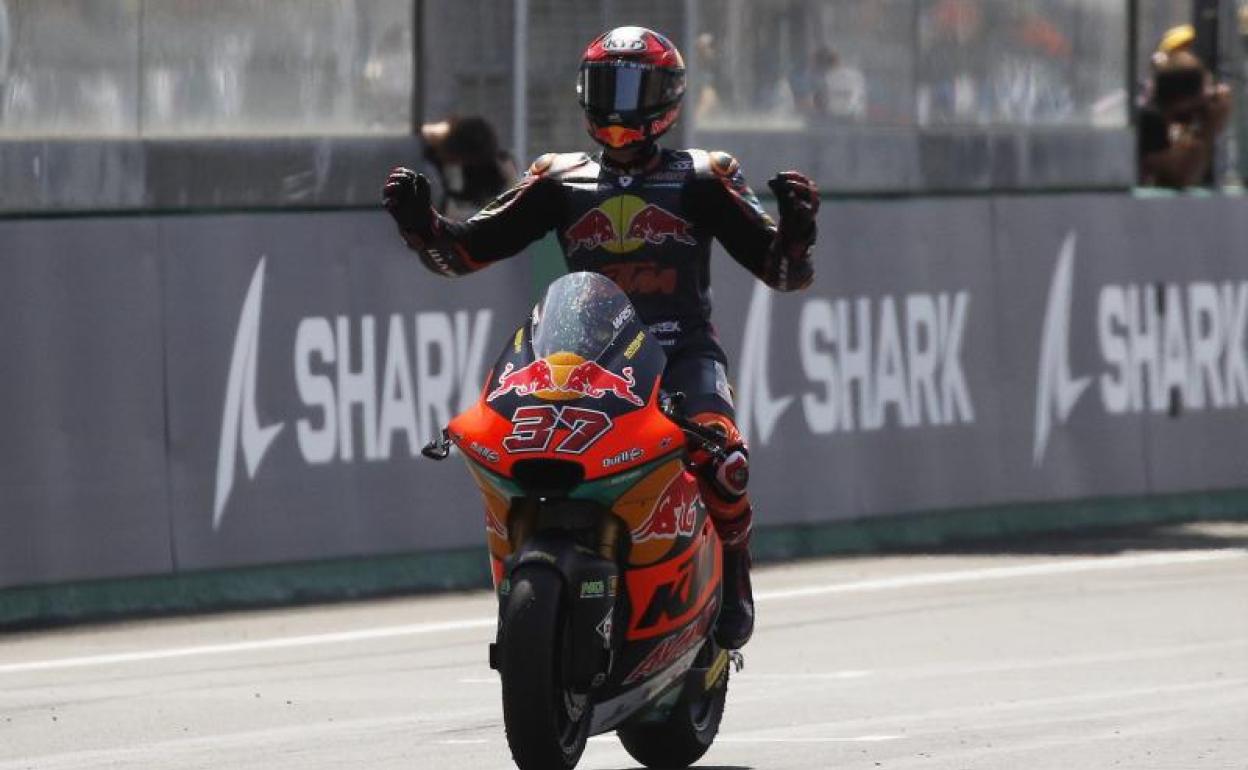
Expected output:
(406, 196)
(790, 265)
(798, 200)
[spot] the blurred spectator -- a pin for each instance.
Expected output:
(828, 87)
(1176, 39)
(471, 166)
(1181, 121)
(955, 50)
(714, 87)
(1031, 80)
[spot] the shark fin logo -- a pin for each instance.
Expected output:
(757, 407)
(239, 422)
(1056, 392)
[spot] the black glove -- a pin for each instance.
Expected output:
(406, 196)
(798, 200)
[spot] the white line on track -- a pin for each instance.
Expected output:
(803, 676)
(816, 739)
(721, 738)
(279, 643)
(1090, 564)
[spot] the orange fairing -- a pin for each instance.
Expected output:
(670, 594)
(660, 510)
(497, 509)
(574, 431)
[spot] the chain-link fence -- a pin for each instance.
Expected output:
(158, 68)
(874, 95)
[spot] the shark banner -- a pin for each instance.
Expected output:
(213, 391)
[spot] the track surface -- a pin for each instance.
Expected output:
(1127, 652)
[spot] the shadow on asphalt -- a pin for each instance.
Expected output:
(700, 767)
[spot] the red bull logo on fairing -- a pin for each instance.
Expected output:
(626, 223)
(675, 515)
(588, 378)
(524, 381)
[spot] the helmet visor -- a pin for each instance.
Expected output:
(628, 89)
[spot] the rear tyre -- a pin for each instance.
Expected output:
(684, 736)
(547, 724)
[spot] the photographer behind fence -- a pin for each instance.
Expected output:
(1180, 124)
(472, 168)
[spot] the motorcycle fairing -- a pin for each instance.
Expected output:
(583, 438)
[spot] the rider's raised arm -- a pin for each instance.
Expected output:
(779, 255)
(503, 228)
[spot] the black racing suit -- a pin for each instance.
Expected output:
(648, 228)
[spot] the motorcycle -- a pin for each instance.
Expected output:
(605, 563)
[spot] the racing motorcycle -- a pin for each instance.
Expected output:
(606, 566)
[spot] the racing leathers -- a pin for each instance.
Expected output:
(649, 228)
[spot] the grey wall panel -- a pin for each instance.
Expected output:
(350, 356)
(195, 392)
(82, 456)
(1050, 263)
(1155, 291)
(924, 436)
(1199, 250)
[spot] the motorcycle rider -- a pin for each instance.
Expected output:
(645, 217)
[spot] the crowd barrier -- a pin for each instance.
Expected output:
(190, 393)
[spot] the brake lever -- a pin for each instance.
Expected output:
(709, 440)
(439, 448)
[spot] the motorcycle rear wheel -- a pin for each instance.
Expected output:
(684, 736)
(547, 723)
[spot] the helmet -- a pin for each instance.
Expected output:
(630, 85)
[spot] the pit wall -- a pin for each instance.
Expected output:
(213, 410)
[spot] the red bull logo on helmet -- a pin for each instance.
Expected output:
(625, 223)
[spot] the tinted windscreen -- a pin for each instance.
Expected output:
(582, 314)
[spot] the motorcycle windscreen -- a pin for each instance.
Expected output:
(582, 314)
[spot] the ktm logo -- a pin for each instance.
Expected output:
(626, 223)
(642, 277)
(672, 602)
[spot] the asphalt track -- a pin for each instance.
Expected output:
(1128, 651)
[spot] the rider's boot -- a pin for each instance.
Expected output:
(736, 616)
(723, 485)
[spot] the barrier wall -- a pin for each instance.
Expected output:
(189, 393)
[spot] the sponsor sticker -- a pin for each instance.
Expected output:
(604, 628)
(674, 515)
(485, 452)
(624, 43)
(622, 318)
(625, 223)
(589, 378)
(634, 346)
(670, 649)
(593, 589)
(623, 458)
